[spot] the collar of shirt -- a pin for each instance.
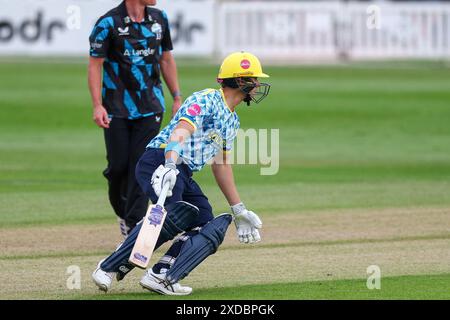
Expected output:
(225, 101)
(126, 18)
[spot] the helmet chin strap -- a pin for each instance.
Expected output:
(248, 99)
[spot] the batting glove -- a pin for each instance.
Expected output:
(247, 224)
(163, 174)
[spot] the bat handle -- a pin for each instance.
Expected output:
(163, 195)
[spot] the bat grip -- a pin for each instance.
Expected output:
(163, 195)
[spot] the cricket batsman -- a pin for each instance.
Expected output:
(201, 132)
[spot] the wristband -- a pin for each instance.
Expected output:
(173, 146)
(170, 163)
(176, 93)
(238, 208)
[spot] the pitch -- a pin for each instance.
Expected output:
(363, 180)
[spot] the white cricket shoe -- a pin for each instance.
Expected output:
(157, 282)
(102, 279)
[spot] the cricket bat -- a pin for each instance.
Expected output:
(149, 233)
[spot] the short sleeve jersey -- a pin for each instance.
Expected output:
(215, 128)
(132, 52)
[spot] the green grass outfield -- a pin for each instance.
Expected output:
(402, 287)
(364, 179)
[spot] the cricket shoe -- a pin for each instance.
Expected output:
(102, 279)
(124, 229)
(157, 282)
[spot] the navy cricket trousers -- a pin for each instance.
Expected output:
(125, 142)
(185, 189)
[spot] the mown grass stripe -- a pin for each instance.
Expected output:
(249, 247)
(339, 242)
(434, 286)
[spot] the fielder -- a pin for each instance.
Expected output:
(202, 130)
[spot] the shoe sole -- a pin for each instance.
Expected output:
(101, 287)
(166, 293)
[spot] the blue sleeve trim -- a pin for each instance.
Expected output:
(173, 146)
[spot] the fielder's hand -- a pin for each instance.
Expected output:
(162, 175)
(247, 224)
(100, 116)
(176, 105)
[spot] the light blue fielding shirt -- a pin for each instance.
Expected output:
(215, 128)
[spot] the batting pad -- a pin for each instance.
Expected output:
(198, 247)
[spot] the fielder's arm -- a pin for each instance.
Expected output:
(223, 173)
(170, 75)
(100, 115)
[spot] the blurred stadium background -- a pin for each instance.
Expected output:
(288, 31)
(361, 93)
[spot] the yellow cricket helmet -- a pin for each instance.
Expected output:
(241, 64)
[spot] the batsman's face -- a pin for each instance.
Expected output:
(256, 85)
(257, 90)
(248, 85)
